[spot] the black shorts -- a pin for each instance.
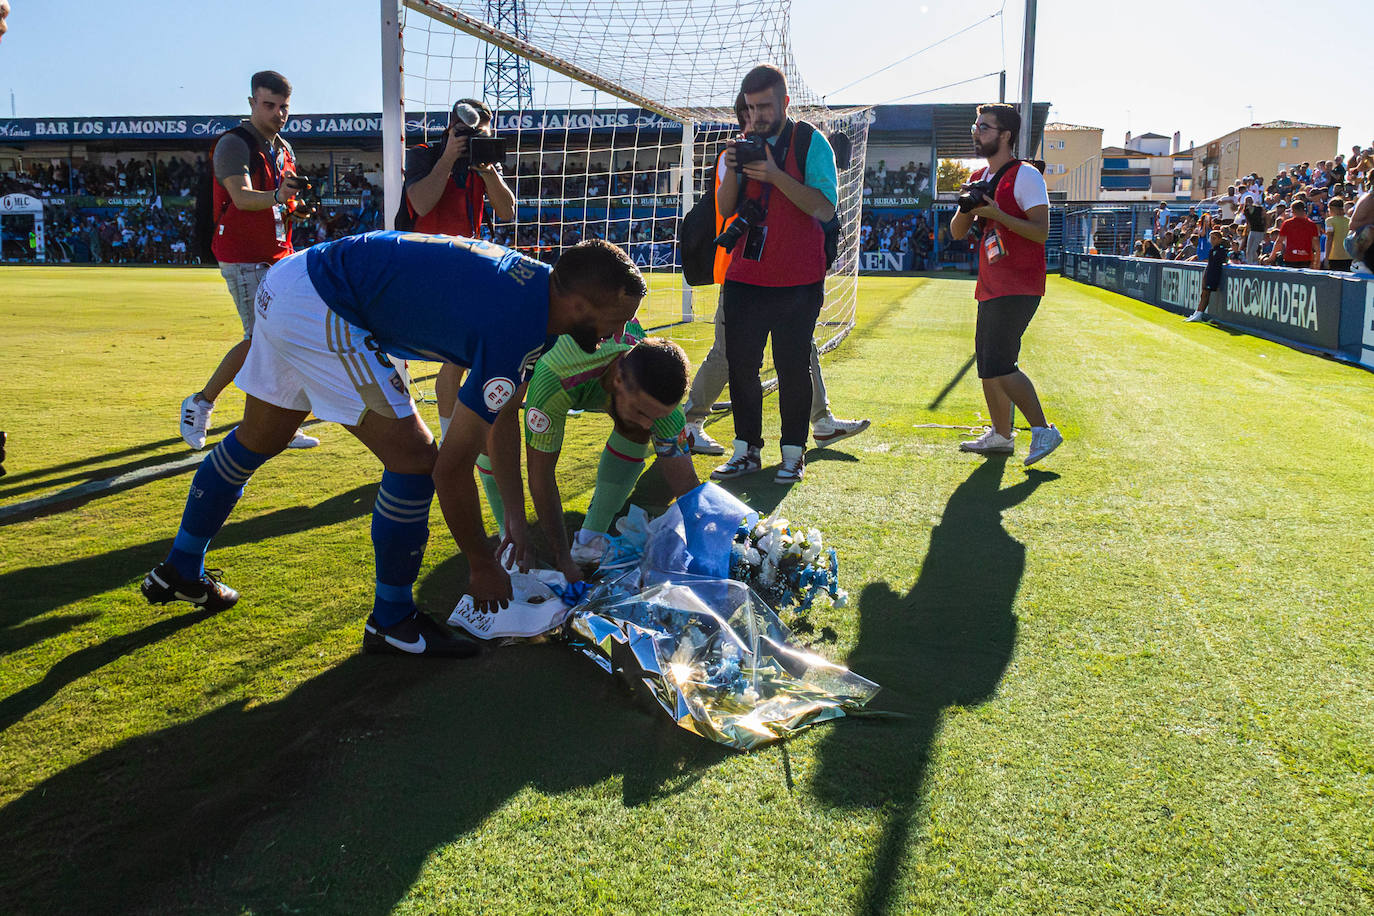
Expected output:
(997, 339)
(1211, 280)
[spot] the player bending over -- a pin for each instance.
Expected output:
(329, 319)
(639, 382)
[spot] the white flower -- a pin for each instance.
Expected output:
(752, 557)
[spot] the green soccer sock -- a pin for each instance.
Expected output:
(498, 508)
(621, 464)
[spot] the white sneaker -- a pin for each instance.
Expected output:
(699, 443)
(195, 420)
(830, 430)
(793, 467)
(989, 443)
(589, 548)
(1044, 439)
(301, 440)
(1196, 316)
(745, 461)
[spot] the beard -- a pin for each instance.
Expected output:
(984, 150)
(585, 336)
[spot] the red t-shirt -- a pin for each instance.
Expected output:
(1300, 238)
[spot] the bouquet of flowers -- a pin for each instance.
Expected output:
(785, 565)
(714, 656)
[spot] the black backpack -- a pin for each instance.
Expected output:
(696, 240)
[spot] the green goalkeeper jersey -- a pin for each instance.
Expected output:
(569, 378)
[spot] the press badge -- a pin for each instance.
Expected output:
(277, 211)
(992, 246)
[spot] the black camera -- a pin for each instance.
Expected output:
(749, 214)
(974, 194)
(753, 148)
(486, 150)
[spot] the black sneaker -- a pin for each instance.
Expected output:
(416, 635)
(164, 585)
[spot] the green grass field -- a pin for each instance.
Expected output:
(1138, 680)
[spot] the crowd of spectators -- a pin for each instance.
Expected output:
(143, 210)
(911, 180)
(1252, 213)
(131, 234)
(899, 234)
(574, 179)
(176, 177)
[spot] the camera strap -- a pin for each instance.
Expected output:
(785, 144)
(994, 182)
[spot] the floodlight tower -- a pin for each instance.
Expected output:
(506, 84)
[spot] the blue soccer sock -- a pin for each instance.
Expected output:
(400, 528)
(215, 489)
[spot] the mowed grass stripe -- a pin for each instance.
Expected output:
(1141, 686)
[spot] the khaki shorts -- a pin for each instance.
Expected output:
(243, 280)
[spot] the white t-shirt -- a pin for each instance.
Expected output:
(1029, 190)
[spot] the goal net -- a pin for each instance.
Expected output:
(615, 112)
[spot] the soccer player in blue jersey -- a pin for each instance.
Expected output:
(328, 321)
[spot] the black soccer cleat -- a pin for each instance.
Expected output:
(164, 585)
(416, 635)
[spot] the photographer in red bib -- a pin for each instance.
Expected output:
(1007, 208)
(775, 283)
(447, 190)
(255, 198)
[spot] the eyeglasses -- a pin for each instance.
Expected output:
(980, 126)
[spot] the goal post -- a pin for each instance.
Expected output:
(625, 111)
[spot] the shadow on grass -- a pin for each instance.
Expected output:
(83, 661)
(945, 643)
(952, 383)
(333, 798)
(8, 488)
(36, 590)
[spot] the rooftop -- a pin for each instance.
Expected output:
(1060, 125)
(1291, 125)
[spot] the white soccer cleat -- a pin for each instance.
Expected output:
(589, 548)
(195, 420)
(301, 440)
(990, 442)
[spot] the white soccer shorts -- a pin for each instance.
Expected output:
(306, 357)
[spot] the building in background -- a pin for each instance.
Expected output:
(1066, 147)
(1146, 167)
(1264, 149)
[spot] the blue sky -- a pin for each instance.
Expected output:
(1199, 68)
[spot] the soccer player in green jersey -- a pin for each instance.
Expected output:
(639, 382)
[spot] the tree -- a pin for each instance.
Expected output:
(950, 174)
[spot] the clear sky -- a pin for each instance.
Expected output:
(1196, 67)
